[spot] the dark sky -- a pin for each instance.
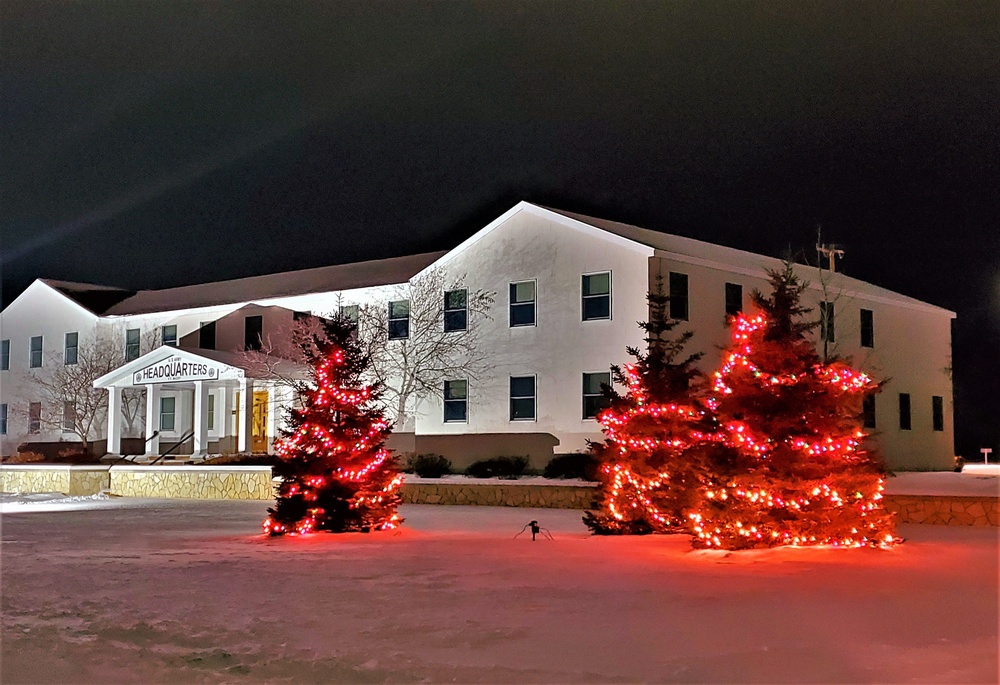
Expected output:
(149, 144)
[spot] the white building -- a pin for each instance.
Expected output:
(568, 291)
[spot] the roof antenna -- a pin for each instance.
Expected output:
(830, 252)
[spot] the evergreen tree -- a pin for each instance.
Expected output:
(336, 474)
(791, 466)
(648, 469)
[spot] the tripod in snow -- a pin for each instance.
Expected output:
(535, 530)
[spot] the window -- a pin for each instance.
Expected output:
(211, 412)
(131, 344)
(868, 411)
(678, 296)
(937, 412)
(593, 396)
(826, 327)
(904, 411)
(35, 352)
(72, 349)
(253, 333)
(35, 417)
(399, 319)
(597, 296)
(456, 401)
(522, 304)
(4, 355)
(167, 407)
(867, 328)
(168, 334)
(522, 398)
(3, 419)
(69, 417)
(734, 298)
(456, 310)
(206, 335)
(350, 312)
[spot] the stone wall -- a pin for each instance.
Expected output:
(65, 478)
(193, 482)
(511, 494)
(948, 510)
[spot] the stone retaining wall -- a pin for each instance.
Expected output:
(69, 479)
(193, 482)
(948, 510)
(511, 494)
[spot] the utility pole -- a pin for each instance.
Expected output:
(830, 253)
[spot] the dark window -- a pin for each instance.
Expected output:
(72, 350)
(349, 312)
(937, 412)
(594, 400)
(678, 296)
(456, 311)
(253, 333)
(206, 335)
(522, 304)
(35, 352)
(167, 413)
(69, 417)
(522, 398)
(456, 400)
(168, 334)
(904, 411)
(211, 412)
(867, 328)
(399, 319)
(35, 417)
(868, 411)
(4, 355)
(734, 298)
(597, 296)
(3, 419)
(826, 322)
(132, 344)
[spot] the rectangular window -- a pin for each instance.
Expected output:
(734, 298)
(72, 349)
(69, 417)
(3, 419)
(167, 413)
(456, 310)
(597, 296)
(937, 412)
(35, 352)
(4, 355)
(868, 411)
(904, 411)
(211, 412)
(522, 398)
(35, 417)
(253, 333)
(678, 296)
(593, 395)
(867, 328)
(350, 312)
(399, 319)
(206, 335)
(168, 334)
(456, 401)
(827, 331)
(132, 344)
(522, 304)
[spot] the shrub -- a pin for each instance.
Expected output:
(498, 467)
(581, 465)
(24, 458)
(429, 465)
(240, 459)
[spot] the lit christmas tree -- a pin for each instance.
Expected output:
(336, 474)
(648, 472)
(790, 467)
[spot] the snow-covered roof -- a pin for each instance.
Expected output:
(305, 281)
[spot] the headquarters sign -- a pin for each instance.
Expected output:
(175, 370)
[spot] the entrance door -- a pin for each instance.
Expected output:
(258, 442)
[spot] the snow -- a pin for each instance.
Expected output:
(189, 592)
(969, 483)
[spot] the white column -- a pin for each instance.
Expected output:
(246, 415)
(200, 419)
(152, 419)
(114, 420)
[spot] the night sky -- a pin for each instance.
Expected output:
(153, 144)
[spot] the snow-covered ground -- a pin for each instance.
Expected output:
(118, 591)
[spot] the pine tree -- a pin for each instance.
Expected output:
(648, 469)
(791, 466)
(336, 474)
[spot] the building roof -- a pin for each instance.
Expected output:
(319, 280)
(94, 298)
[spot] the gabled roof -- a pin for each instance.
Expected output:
(319, 280)
(94, 298)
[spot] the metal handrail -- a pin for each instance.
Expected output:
(125, 457)
(173, 447)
